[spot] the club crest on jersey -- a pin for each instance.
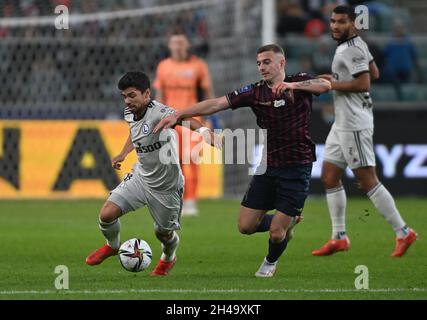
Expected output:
(145, 128)
(279, 103)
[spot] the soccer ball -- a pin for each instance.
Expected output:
(135, 255)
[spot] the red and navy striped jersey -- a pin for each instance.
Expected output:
(286, 119)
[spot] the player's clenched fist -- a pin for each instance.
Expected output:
(280, 88)
(116, 161)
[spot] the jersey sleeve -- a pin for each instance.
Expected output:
(166, 112)
(243, 97)
(356, 61)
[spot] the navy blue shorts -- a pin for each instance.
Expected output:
(284, 189)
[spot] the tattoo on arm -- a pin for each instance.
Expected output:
(308, 83)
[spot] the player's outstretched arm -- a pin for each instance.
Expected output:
(204, 108)
(315, 86)
(361, 83)
(127, 148)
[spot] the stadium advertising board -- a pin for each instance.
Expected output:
(71, 159)
(400, 144)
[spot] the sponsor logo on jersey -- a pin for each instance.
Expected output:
(186, 73)
(275, 103)
(145, 128)
(279, 103)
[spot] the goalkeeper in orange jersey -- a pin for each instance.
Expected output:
(179, 78)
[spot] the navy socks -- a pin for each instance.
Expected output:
(275, 250)
(265, 223)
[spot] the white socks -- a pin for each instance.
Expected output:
(337, 202)
(169, 248)
(380, 197)
(384, 202)
(111, 232)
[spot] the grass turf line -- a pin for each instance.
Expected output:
(214, 260)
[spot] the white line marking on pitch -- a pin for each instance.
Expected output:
(47, 292)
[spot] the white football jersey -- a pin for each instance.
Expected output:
(353, 110)
(161, 174)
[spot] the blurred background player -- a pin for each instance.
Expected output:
(350, 140)
(180, 80)
(282, 106)
(155, 183)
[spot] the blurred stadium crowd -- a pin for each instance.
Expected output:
(80, 64)
(395, 52)
(191, 22)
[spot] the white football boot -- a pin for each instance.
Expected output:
(266, 270)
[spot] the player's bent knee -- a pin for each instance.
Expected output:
(246, 229)
(367, 183)
(164, 237)
(277, 235)
(330, 182)
(162, 234)
(109, 212)
(247, 223)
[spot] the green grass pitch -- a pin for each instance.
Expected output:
(214, 260)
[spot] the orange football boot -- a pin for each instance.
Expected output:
(163, 268)
(100, 255)
(402, 244)
(332, 246)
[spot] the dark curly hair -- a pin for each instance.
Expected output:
(137, 79)
(346, 9)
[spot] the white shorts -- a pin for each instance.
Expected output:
(165, 207)
(350, 148)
